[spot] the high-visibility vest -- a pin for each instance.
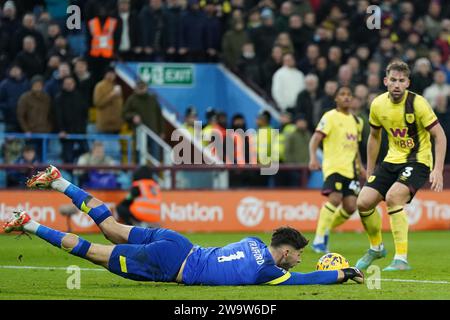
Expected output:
(287, 130)
(147, 207)
(240, 149)
(102, 43)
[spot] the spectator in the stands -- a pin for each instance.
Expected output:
(27, 29)
(174, 11)
(248, 64)
(322, 71)
(61, 48)
(306, 65)
(296, 149)
(309, 101)
(385, 52)
(342, 40)
(232, 43)
(141, 107)
(327, 102)
(108, 102)
(96, 178)
(100, 41)
(357, 72)
(282, 21)
(71, 113)
(264, 36)
(85, 81)
(345, 75)
(127, 31)
(283, 40)
(9, 23)
(287, 83)
(54, 84)
(433, 19)
(298, 35)
(11, 89)
(438, 87)
(334, 60)
(213, 32)
(374, 83)
(153, 20)
(53, 63)
(270, 66)
(18, 178)
(42, 24)
(28, 59)
(363, 54)
(193, 33)
(34, 109)
(443, 115)
(53, 32)
(422, 76)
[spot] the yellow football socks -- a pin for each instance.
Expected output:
(339, 218)
(324, 223)
(399, 228)
(371, 221)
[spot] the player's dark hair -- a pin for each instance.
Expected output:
(398, 65)
(289, 236)
(342, 87)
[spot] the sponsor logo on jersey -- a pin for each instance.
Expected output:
(398, 132)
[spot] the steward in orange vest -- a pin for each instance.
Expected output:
(102, 41)
(147, 206)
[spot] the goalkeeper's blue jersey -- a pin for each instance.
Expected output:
(241, 263)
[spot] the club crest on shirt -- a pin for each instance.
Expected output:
(338, 185)
(410, 117)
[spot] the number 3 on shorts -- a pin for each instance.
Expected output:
(407, 172)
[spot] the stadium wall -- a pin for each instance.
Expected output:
(216, 211)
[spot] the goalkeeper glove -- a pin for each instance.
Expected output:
(353, 274)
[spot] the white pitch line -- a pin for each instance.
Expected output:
(96, 269)
(48, 268)
(417, 281)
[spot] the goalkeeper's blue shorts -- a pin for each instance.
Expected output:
(151, 254)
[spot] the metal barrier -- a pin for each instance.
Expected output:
(303, 170)
(46, 137)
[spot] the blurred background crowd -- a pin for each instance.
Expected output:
(295, 54)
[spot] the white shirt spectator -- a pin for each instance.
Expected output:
(287, 83)
(439, 87)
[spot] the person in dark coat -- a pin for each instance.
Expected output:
(153, 20)
(11, 89)
(248, 64)
(143, 108)
(264, 36)
(193, 34)
(54, 84)
(28, 28)
(28, 59)
(213, 32)
(173, 30)
(71, 112)
(126, 35)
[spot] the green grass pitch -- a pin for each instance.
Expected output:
(429, 256)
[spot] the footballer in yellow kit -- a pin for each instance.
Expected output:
(409, 123)
(340, 132)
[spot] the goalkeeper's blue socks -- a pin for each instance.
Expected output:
(80, 198)
(55, 237)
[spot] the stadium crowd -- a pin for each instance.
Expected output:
(294, 53)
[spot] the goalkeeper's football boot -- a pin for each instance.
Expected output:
(17, 222)
(44, 179)
(398, 265)
(369, 258)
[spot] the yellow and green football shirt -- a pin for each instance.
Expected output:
(408, 135)
(342, 133)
